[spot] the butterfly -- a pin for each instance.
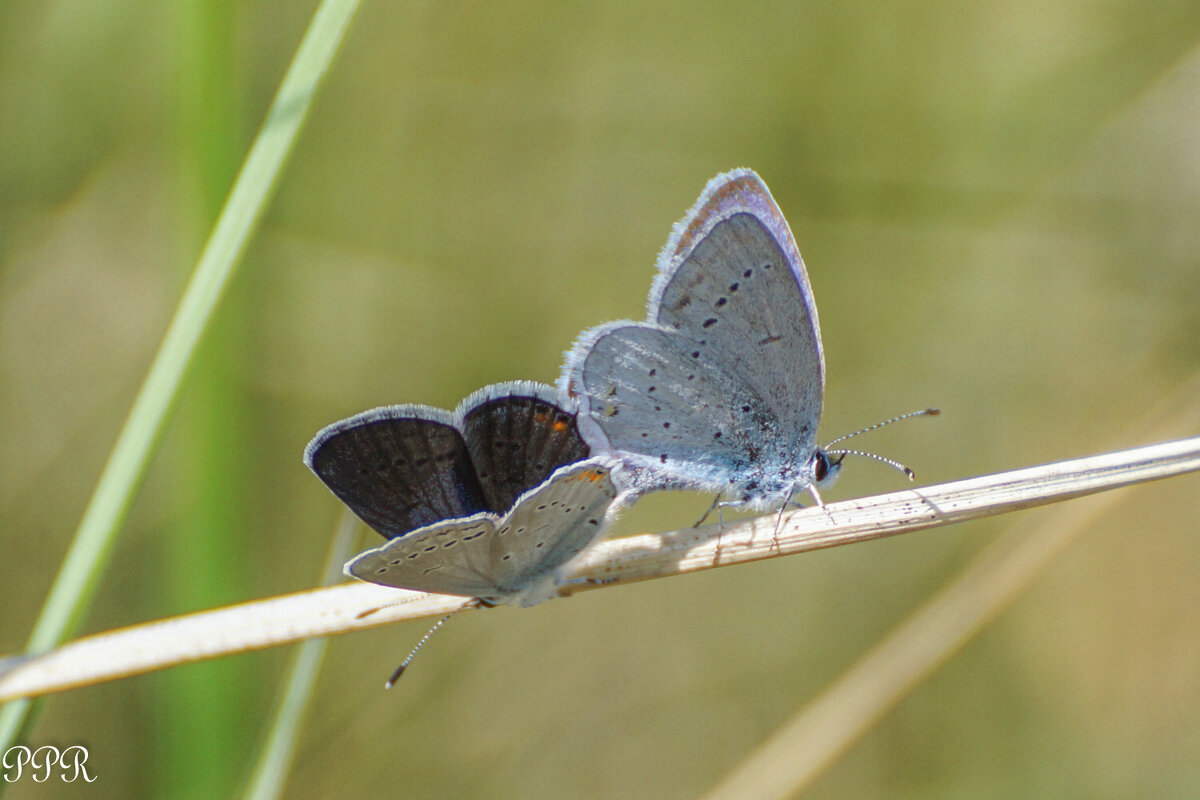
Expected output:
(487, 502)
(721, 388)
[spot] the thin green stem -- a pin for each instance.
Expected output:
(274, 761)
(96, 536)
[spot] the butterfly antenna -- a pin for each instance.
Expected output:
(474, 602)
(882, 459)
(924, 412)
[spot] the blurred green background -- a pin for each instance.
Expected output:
(998, 207)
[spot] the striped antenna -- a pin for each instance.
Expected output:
(474, 602)
(925, 412)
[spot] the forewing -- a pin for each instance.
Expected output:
(738, 298)
(398, 468)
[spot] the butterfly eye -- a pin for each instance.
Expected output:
(821, 466)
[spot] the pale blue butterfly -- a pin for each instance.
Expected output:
(721, 388)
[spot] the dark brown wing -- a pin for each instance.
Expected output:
(518, 433)
(399, 468)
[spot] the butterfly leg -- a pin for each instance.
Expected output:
(792, 501)
(718, 506)
(820, 503)
(591, 581)
(778, 525)
(721, 505)
(715, 503)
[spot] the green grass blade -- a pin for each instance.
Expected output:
(96, 536)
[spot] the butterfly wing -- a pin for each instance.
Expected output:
(508, 560)
(732, 280)
(398, 468)
(547, 527)
(448, 557)
(518, 433)
(673, 415)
